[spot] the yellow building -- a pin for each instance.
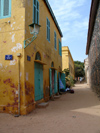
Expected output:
(67, 61)
(29, 63)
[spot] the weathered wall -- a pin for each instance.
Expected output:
(86, 64)
(11, 43)
(65, 58)
(67, 61)
(45, 48)
(71, 66)
(94, 55)
(13, 32)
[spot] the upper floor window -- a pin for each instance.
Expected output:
(35, 11)
(55, 40)
(60, 48)
(52, 64)
(5, 8)
(48, 30)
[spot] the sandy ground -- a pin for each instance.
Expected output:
(72, 113)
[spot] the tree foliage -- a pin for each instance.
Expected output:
(66, 71)
(79, 69)
(69, 78)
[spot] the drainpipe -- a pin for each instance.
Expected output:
(18, 86)
(18, 55)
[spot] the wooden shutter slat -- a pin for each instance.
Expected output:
(6, 8)
(49, 30)
(35, 11)
(0, 8)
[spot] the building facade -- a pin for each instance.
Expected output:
(93, 46)
(86, 65)
(29, 63)
(67, 61)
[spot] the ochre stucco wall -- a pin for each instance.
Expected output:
(45, 48)
(65, 58)
(67, 61)
(11, 42)
(13, 32)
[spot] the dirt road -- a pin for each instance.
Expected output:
(72, 113)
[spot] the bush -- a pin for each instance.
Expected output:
(69, 81)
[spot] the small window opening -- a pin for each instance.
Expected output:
(37, 57)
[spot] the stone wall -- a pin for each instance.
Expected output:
(94, 55)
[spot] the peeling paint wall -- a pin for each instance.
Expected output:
(41, 45)
(13, 32)
(11, 42)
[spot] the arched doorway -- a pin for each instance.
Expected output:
(38, 74)
(53, 80)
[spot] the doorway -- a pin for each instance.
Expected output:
(53, 81)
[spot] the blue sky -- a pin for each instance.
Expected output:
(73, 19)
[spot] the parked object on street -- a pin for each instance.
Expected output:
(81, 79)
(67, 90)
(71, 91)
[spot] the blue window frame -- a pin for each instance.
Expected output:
(55, 40)
(5, 8)
(60, 48)
(35, 11)
(48, 30)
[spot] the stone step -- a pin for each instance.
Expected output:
(62, 93)
(56, 97)
(42, 105)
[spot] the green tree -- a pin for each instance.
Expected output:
(79, 69)
(66, 71)
(69, 78)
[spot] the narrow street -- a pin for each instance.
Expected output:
(71, 113)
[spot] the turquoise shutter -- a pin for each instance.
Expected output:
(58, 80)
(63, 79)
(6, 8)
(0, 8)
(55, 89)
(55, 40)
(59, 47)
(41, 80)
(34, 11)
(37, 12)
(49, 30)
(50, 74)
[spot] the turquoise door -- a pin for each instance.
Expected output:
(55, 89)
(55, 83)
(38, 81)
(63, 79)
(50, 73)
(58, 81)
